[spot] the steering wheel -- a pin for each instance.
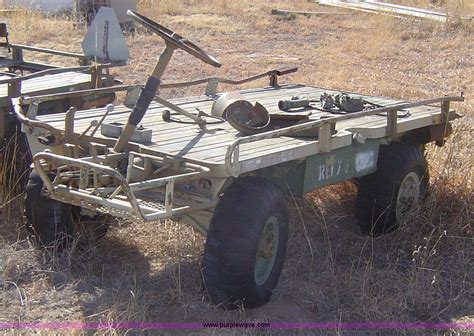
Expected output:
(176, 40)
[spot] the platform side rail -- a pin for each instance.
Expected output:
(232, 156)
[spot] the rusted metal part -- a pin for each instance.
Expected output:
(220, 105)
(246, 118)
(174, 40)
(241, 114)
(289, 117)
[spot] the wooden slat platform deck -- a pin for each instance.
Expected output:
(56, 83)
(210, 145)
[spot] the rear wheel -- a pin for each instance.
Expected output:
(393, 191)
(246, 244)
(52, 223)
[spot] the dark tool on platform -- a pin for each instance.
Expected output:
(295, 102)
(173, 41)
(241, 114)
(250, 118)
(343, 103)
(339, 103)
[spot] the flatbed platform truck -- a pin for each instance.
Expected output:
(178, 159)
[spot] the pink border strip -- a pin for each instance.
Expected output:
(231, 325)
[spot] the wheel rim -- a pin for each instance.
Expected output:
(408, 194)
(267, 250)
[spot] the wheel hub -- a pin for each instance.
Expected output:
(408, 194)
(267, 250)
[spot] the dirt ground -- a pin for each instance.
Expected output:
(150, 272)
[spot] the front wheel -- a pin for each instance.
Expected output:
(49, 222)
(246, 244)
(54, 224)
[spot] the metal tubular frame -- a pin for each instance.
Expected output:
(232, 155)
(121, 199)
(82, 58)
(52, 71)
(111, 198)
(209, 80)
(38, 69)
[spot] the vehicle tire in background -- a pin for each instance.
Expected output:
(15, 165)
(49, 222)
(246, 244)
(393, 191)
(54, 224)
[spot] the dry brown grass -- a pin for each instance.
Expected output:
(170, 7)
(150, 272)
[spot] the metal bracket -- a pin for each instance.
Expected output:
(211, 88)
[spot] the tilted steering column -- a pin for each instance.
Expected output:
(173, 41)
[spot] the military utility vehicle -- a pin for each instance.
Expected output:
(224, 162)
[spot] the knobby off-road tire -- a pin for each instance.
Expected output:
(246, 244)
(391, 193)
(54, 224)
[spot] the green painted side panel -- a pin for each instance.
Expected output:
(340, 165)
(289, 176)
(301, 176)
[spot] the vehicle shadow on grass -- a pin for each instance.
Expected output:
(152, 274)
(345, 277)
(118, 283)
(415, 274)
